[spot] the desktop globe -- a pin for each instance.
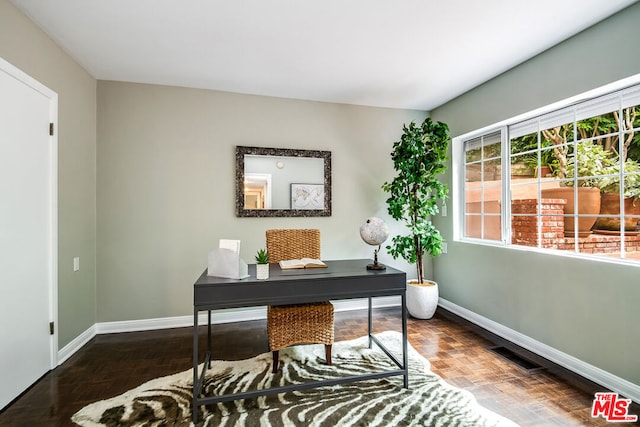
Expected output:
(374, 231)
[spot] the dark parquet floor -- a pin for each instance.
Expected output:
(111, 364)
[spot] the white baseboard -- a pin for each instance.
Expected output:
(586, 370)
(217, 317)
(227, 316)
(76, 344)
(593, 373)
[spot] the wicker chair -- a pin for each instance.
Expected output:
(299, 323)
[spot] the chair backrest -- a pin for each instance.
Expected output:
(283, 244)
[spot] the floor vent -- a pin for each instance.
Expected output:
(521, 362)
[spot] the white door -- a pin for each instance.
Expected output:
(28, 236)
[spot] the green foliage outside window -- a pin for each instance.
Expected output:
(603, 130)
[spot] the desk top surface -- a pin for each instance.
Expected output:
(339, 280)
(334, 270)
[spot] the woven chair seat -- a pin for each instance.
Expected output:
(297, 323)
(300, 323)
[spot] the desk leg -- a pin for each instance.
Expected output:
(370, 321)
(209, 335)
(194, 407)
(405, 356)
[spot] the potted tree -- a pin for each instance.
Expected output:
(593, 159)
(418, 158)
(589, 161)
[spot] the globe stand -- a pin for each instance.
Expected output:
(376, 265)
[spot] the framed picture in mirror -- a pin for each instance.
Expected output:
(307, 196)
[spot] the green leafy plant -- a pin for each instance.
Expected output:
(611, 182)
(547, 158)
(262, 257)
(418, 158)
(602, 129)
(592, 160)
(602, 169)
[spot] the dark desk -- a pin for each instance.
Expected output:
(340, 280)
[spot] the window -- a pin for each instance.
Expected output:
(567, 180)
(483, 187)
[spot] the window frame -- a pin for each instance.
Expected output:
(502, 130)
(631, 84)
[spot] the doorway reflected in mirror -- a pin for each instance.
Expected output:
(257, 190)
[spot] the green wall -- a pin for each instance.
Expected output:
(587, 309)
(25, 46)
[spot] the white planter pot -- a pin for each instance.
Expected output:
(422, 299)
(262, 271)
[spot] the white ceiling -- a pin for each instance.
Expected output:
(414, 54)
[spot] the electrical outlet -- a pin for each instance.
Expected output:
(444, 210)
(76, 263)
(444, 248)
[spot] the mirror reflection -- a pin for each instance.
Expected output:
(278, 182)
(283, 182)
(257, 190)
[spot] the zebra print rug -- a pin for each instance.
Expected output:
(429, 401)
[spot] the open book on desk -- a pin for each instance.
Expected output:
(301, 263)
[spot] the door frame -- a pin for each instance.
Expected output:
(24, 78)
